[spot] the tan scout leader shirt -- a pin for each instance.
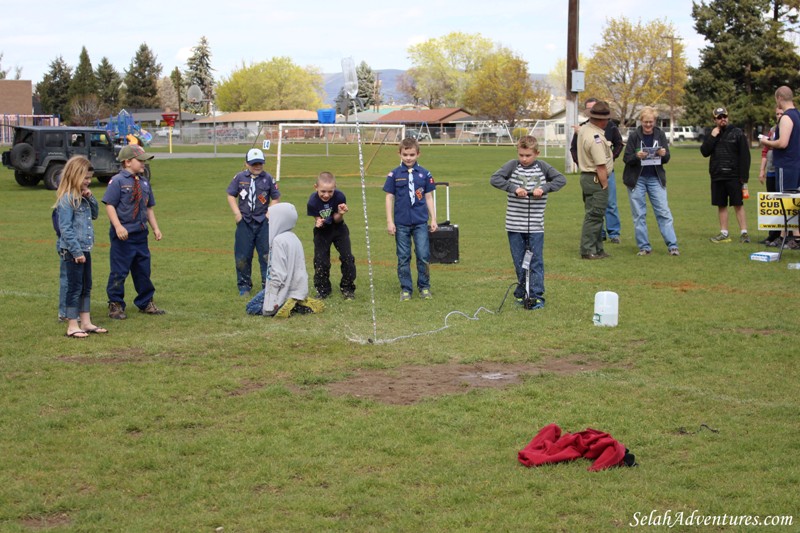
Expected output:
(594, 149)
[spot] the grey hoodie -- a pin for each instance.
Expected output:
(287, 277)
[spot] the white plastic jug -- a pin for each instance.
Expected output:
(606, 308)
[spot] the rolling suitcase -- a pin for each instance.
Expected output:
(444, 241)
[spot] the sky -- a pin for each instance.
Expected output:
(311, 32)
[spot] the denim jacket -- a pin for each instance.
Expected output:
(77, 232)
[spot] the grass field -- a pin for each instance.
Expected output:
(207, 418)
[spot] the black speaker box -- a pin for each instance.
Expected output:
(444, 244)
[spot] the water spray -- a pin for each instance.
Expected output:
(351, 89)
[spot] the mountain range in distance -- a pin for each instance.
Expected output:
(389, 78)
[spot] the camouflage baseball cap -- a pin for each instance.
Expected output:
(133, 151)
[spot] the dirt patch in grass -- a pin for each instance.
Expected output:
(130, 355)
(246, 387)
(46, 521)
(752, 331)
(409, 384)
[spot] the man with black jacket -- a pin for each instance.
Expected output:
(729, 168)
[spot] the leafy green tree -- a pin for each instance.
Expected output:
(108, 82)
(443, 66)
(180, 89)
(199, 72)
(747, 59)
(271, 85)
(54, 88)
(141, 80)
(368, 91)
(84, 81)
(632, 67)
(502, 90)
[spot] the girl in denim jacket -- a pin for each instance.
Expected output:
(75, 204)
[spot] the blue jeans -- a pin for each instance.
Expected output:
(79, 285)
(519, 243)
(250, 236)
(62, 285)
(651, 187)
(612, 226)
(403, 236)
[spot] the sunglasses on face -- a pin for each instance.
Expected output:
(720, 117)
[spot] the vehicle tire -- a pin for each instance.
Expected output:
(681, 138)
(104, 179)
(23, 156)
(25, 180)
(52, 175)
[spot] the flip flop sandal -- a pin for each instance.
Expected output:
(97, 330)
(77, 334)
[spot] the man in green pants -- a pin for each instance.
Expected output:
(596, 163)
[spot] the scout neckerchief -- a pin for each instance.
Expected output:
(137, 196)
(252, 198)
(411, 184)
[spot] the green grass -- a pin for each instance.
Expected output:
(207, 418)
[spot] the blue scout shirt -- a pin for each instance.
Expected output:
(325, 210)
(119, 194)
(406, 212)
(266, 190)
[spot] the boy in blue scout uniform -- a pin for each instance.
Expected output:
(250, 194)
(409, 201)
(129, 204)
(328, 206)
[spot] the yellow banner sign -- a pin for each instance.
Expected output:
(771, 211)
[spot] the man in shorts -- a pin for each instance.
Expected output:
(729, 168)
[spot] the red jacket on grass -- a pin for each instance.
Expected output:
(550, 446)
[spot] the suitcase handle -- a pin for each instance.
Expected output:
(447, 201)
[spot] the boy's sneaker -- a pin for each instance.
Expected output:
(116, 311)
(791, 244)
(614, 240)
(425, 294)
(151, 309)
(519, 301)
(405, 296)
(674, 251)
(722, 237)
(244, 292)
(347, 295)
(322, 295)
(644, 252)
(537, 304)
(744, 238)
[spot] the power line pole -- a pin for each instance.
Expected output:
(571, 101)
(672, 39)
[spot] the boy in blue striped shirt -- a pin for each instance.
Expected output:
(527, 181)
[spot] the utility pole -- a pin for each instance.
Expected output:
(572, 98)
(672, 39)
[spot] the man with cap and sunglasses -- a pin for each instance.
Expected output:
(729, 168)
(129, 204)
(250, 194)
(596, 162)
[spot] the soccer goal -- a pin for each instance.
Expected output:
(314, 136)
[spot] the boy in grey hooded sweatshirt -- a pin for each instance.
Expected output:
(287, 280)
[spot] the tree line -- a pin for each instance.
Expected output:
(636, 64)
